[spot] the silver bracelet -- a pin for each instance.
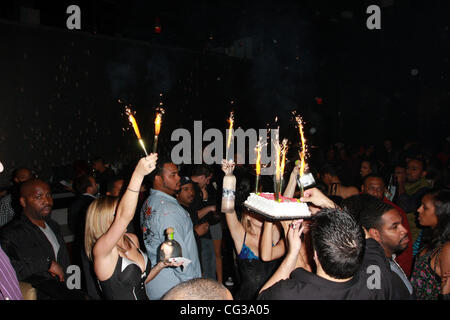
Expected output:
(132, 190)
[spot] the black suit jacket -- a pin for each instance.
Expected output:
(29, 250)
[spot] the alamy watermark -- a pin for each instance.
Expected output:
(243, 146)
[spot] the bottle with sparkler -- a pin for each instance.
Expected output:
(229, 187)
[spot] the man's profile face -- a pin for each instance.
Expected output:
(374, 186)
(186, 194)
(37, 200)
(171, 178)
(393, 236)
(365, 168)
(414, 170)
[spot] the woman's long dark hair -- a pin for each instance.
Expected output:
(435, 237)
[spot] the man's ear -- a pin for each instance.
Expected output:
(158, 180)
(363, 189)
(424, 173)
(22, 202)
(374, 234)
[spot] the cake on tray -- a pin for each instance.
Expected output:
(284, 208)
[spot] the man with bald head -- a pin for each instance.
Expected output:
(9, 204)
(35, 245)
(199, 289)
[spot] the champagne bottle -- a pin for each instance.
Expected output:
(170, 248)
(228, 193)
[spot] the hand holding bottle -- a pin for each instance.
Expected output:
(229, 186)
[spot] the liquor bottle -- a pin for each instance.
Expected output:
(392, 188)
(228, 193)
(170, 248)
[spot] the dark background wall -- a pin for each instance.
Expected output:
(60, 92)
(59, 88)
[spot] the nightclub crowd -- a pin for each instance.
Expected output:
(379, 229)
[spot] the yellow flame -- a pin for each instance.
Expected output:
(231, 121)
(277, 161)
(283, 156)
(158, 123)
(258, 159)
(303, 140)
(133, 123)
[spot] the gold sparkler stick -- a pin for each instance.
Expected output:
(230, 133)
(157, 130)
(134, 124)
(258, 164)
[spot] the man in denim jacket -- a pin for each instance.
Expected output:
(159, 212)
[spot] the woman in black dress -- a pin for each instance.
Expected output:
(122, 269)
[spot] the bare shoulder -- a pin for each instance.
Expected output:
(446, 249)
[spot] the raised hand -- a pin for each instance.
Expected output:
(293, 236)
(228, 166)
(316, 197)
(147, 164)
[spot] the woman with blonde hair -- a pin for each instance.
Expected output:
(122, 269)
(246, 234)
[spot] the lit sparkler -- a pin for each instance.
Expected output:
(230, 133)
(133, 122)
(158, 119)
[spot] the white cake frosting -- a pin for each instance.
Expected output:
(286, 207)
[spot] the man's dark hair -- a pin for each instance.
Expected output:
(158, 169)
(110, 183)
(328, 168)
(372, 211)
(201, 170)
(372, 175)
(17, 170)
(338, 241)
(421, 160)
(81, 183)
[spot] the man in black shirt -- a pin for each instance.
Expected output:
(340, 254)
(384, 224)
(185, 197)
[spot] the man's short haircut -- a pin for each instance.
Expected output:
(328, 168)
(26, 186)
(372, 175)
(201, 170)
(338, 241)
(16, 171)
(110, 183)
(198, 289)
(81, 183)
(159, 168)
(372, 210)
(421, 160)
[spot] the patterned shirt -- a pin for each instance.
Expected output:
(9, 285)
(6, 210)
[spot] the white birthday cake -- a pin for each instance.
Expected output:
(266, 204)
